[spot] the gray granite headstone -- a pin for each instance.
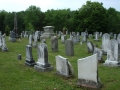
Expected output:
(69, 47)
(54, 44)
(12, 37)
(42, 64)
(88, 72)
(112, 54)
(29, 57)
(90, 47)
(63, 66)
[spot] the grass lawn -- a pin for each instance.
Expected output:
(15, 75)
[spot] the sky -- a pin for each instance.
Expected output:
(44, 5)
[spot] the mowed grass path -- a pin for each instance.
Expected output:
(15, 75)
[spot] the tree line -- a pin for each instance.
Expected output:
(91, 16)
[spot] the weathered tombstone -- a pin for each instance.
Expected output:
(4, 47)
(48, 31)
(84, 38)
(63, 67)
(105, 40)
(29, 57)
(63, 38)
(35, 39)
(112, 54)
(30, 39)
(90, 47)
(88, 72)
(12, 37)
(1, 41)
(99, 54)
(19, 57)
(69, 47)
(54, 44)
(96, 36)
(42, 63)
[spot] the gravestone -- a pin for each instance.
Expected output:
(63, 67)
(90, 47)
(30, 39)
(99, 54)
(35, 39)
(12, 37)
(88, 72)
(105, 40)
(84, 38)
(54, 44)
(118, 40)
(1, 41)
(42, 63)
(4, 47)
(112, 54)
(96, 36)
(69, 47)
(19, 57)
(29, 57)
(63, 38)
(48, 31)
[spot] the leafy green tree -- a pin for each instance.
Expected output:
(34, 16)
(92, 16)
(7, 30)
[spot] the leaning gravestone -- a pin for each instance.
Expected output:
(29, 57)
(42, 63)
(88, 72)
(90, 47)
(69, 47)
(63, 67)
(48, 31)
(105, 40)
(112, 54)
(54, 44)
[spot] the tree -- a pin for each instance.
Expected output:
(7, 30)
(34, 16)
(92, 16)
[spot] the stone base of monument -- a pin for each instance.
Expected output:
(112, 63)
(43, 68)
(89, 84)
(30, 63)
(96, 40)
(47, 35)
(12, 39)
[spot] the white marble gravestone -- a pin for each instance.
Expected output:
(105, 40)
(63, 66)
(63, 38)
(88, 72)
(96, 36)
(112, 54)
(48, 31)
(42, 64)
(35, 39)
(30, 40)
(29, 57)
(4, 47)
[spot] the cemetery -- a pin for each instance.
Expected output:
(60, 49)
(25, 67)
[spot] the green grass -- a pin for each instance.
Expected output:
(15, 75)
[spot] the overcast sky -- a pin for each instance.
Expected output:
(22, 5)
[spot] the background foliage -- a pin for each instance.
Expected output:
(91, 15)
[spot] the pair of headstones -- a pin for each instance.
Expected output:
(42, 64)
